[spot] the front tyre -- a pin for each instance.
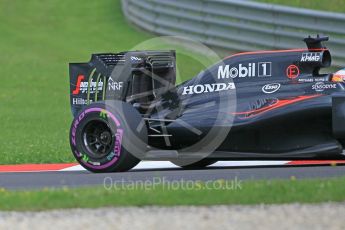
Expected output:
(108, 136)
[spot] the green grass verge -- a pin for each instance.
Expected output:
(251, 192)
(330, 5)
(38, 40)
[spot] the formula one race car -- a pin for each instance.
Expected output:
(268, 105)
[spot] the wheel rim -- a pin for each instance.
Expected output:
(98, 138)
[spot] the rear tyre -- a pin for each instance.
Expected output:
(104, 137)
(197, 165)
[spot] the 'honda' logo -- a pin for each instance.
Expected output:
(208, 88)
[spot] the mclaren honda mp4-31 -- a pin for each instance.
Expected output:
(268, 105)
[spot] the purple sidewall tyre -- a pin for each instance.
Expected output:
(108, 136)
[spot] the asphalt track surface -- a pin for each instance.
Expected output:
(35, 180)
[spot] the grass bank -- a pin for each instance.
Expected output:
(216, 193)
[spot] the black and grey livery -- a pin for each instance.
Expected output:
(266, 105)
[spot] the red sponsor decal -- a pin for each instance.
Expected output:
(277, 104)
(292, 71)
(76, 91)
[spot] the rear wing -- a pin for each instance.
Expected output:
(135, 77)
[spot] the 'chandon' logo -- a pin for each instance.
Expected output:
(261, 69)
(207, 88)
